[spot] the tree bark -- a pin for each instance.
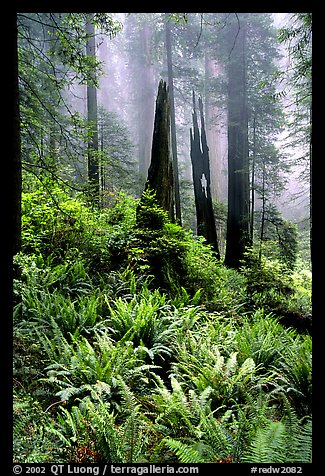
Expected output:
(216, 131)
(172, 121)
(16, 169)
(146, 99)
(202, 180)
(160, 173)
(238, 167)
(93, 165)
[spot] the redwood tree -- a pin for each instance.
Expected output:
(238, 237)
(93, 165)
(172, 119)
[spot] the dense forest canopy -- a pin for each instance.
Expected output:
(162, 223)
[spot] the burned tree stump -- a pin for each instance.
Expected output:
(201, 180)
(160, 174)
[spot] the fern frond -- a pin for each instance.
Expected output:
(268, 445)
(186, 453)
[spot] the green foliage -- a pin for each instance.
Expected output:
(158, 245)
(268, 283)
(280, 237)
(190, 426)
(146, 320)
(263, 339)
(119, 441)
(54, 223)
(84, 368)
(201, 365)
(271, 285)
(136, 362)
(263, 275)
(281, 442)
(294, 375)
(32, 437)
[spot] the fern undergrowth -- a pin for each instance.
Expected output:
(113, 368)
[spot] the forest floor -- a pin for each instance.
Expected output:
(135, 345)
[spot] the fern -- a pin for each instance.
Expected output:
(190, 427)
(294, 375)
(200, 365)
(187, 453)
(83, 367)
(281, 442)
(124, 442)
(268, 445)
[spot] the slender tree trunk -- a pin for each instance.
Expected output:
(238, 167)
(262, 216)
(310, 178)
(16, 169)
(172, 120)
(252, 211)
(93, 165)
(146, 99)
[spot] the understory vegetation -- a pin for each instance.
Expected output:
(132, 343)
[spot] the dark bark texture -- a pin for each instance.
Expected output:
(16, 168)
(238, 237)
(206, 225)
(160, 173)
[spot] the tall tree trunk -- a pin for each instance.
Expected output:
(172, 120)
(263, 215)
(215, 118)
(252, 211)
(238, 238)
(93, 165)
(202, 180)
(15, 168)
(160, 173)
(146, 99)
(310, 179)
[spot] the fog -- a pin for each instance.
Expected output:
(202, 60)
(134, 61)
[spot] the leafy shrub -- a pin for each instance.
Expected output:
(268, 283)
(54, 223)
(263, 275)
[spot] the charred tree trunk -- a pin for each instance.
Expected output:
(206, 225)
(160, 173)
